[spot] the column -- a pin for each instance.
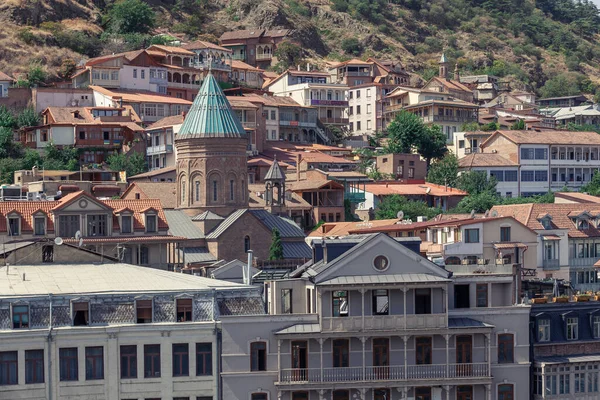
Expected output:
(404, 289)
(488, 339)
(544, 381)
(488, 392)
(447, 337)
(279, 360)
(363, 339)
(405, 374)
(362, 296)
(444, 303)
(321, 341)
(446, 389)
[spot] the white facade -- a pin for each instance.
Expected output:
(365, 109)
(4, 85)
(161, 151)
(57, 97)
(272, 122)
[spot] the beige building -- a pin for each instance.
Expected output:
(403, 167)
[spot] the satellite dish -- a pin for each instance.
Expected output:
(400, 215)
(80, 242)
(58, 241)
(78, 235)
(472, 215)
(494, 213)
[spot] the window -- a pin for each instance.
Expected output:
(246, 244)
(423, 393)
(358, 94)
(499, 175)
(203, 359)
(299, 395)
(273, 116)
(197, 183)
(381, 394)
(543, 330)
(341, 353)
(423, 301)
(8, 368)
(68, 364)
(144, 255)
(510, 176)
(152, 361)
(541, 154)
(135, 73)
(506, 348)
(259, 396)
(505, 234)
(94, 363)
(184, 310)
(215, 190)
(381, 302)
(96, 225)
(258, 356)
(541, 176)
(231, 190)
(527, 154)
(340, 303)
(143, 311)
(462, 296)
(423, 350)
(129, 362)
(68, 225)
(114, 76)
(482, 295)
(81, 313)
(471, 235)
(13, 226)
(505, 392)
(564, 380)
(20, 316)
(357, 110)
(596, 326)
(143, 74)
(572, 328)
(126, 224)
(579, 379)
(358, 125)
(39, 224)
(286, 301)
(181, 359)
(34, 366)
(150, 223)
(527, 176)
(368, 109)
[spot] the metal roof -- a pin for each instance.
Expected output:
(226, 224)
(467, 323)
(196, 255)
(270, 275)
(211, 115)
(207, 215)
(275, 173)
(383, 279)
(296, 250)
(180, 224)
(300, 328)
(287, 228)
(583, 358)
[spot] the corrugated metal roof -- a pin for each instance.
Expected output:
(180, 224)
(226, 224)
(275, 173)
(196, 255)
(296, 250)
(300, 328)
(287, 228)
(462, 322)
(207, 215)
(583, 358)
(211, 115)
(383, 279)
(270, 275)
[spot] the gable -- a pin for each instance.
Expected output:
(83, 203)
(359, 261)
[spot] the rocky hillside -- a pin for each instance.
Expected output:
(544, 45)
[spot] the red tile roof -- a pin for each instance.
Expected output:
(5, 77)
(576, 197)
(548, 137)
(408, 189)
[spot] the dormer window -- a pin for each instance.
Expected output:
(543, 330)
(151, 224)
(96, 225)
(126, 224)
(14, 225)
(572, 328)
(546, 223)
(39, 225)
(583, 224)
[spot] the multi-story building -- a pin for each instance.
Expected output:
(485, 87)
(369, 318)
(132, 70)
(246, 75)
(107, 330)
(161, 136)
(566, 101)
(504, 170)
(466, 143)
(254, 46)
(568, 240)
(402, 166)
(97, 131)
(565, 352)
(311, 88)
(366, 106)
(357, 72)
(580, 115)
(545, 160)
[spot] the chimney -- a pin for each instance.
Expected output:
(298, 167)
(456, 75)
(299, 67)
(308, 67)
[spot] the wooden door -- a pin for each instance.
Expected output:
(464, 355)
(300, 360)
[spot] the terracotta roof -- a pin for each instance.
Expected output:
(548, 137)
(330, 229)
(240, 102)
(166, 122)
(354, 61)
(295, 72)
(172, 49)
(129, 239)
(318, 157)
(485, 160)
(577, 197)
(396, 227)
(260, 161)
(277, 32)
(242, 34)
(140, 96)
(201, 44)
(295, 202)
(407, 189)
(84, 116)
(528, 214)
(28, 208)
(312, 184)
(166, 192)
(273, 101)
(452, 84)
(5, 77)
(237, 64)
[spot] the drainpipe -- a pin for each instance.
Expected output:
(248, 268)
(49, 338)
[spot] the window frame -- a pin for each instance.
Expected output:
(256, 348)
(204, 358)
(545, 334)
(480, 290)
(423, 350)
(97, 370)
(572, 328)
(469, 232)
(20, 314)
(374, 296)
(184, 309)
(66, 371)
(181, 359)
(35, 225)
(128, 361)
(504, 394)
(340, 353)
(286, 301)
(505, 233)
(340, 313)
(152, 360)
(142, 304)
(34, 365)
(8, 366)
(506, 348)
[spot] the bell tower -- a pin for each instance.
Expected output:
(443, 73)
(275, 185)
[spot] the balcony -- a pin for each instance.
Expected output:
(183, 85)
(357, 73)
(217, 66)
(384, 322)
(356, 197)
(551, 265)
(386, 373)
(448, 118)
(335, 121)
(334, 103)
(163, 148)
(583, 262)
(262, 57)
(303, 124)
(472, 150)
(240, 57)
(474, 269)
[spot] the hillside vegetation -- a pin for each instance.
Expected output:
(549, 46)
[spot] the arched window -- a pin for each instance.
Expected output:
(231, 189)
(246, 244)
(258, 356)
(243, 190)
(197, 190)
(215, 189)
(182, 191)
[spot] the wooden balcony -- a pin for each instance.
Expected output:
(384, 322)
(386, 373)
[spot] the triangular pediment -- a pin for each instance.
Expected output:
(379, 255)
(80, 202)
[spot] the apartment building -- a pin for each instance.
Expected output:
(366, 105)
(369, 318)
(357, 72)
(546, 160)
(466, 143)
(568, 240)
(245, 75)
(161, 135)
(112, 331)
(254, 46)
(402, 167)
(565, 101)
(311, 88)
(98, 131)
(504, 170)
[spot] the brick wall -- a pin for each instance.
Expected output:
(18, 99)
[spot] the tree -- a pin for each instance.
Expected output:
(131, 16)
(519, 125)
(403, 133)
(479, 202)
(593, 186)
(352, 46)
(28, 117)
(476, 182)
(565, 84)
(390, 206)
(7, 119)
(276, 249)
(289, 54)
(36, 74)
(8, 147)
(431, 144)
(444, 171)
(67, 69)
(132, 164)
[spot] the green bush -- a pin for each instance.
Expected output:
(352, 46)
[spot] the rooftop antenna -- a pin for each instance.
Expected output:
(400, 215)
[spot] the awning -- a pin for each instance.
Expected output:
(550, 237)
(510, 245)
(567, 359)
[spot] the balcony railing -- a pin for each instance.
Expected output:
(504, 269)
(163, 148)
(212, 65)
(386, 373)
(304, 124)
(357, 73)
(334, 103)
(551, 264)
(343, 121)
(471, 150)
(354, 197)
(181, 85)
(448, 118)
(263, 57)
(583, 262)
(241, 57)
(379, 322)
